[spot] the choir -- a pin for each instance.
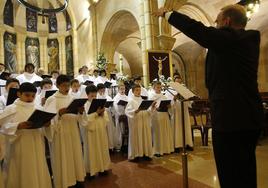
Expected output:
(80, 144)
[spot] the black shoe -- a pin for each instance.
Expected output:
(189, 148)
(104, 173)
(89, 177)
(147, 158)
(79, 185)
(135, 160)
(157, 155)
(177, 150)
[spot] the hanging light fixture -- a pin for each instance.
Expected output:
(252, 6)
(44, 12)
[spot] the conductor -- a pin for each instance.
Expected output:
(231, 79)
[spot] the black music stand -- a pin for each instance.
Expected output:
(185, 95)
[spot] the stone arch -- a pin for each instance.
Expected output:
(122, 34)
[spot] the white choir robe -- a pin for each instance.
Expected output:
(143, 93)
(54, 85)
(82, 78)
(140, 132)
(176, 121)
(38, 98)
(119, 111)
(2, 88)
(65, 144)
(3, 101)
(82, 91)
(25, 159)
(75, 95)
(110, 123)
(161, 126)
(95, 139)
(27, 77)
(101, 80)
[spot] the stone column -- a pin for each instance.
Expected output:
(93, 17)
(75, 53)
(2, 48)
(21, 59)
(43, 53)
(62, 54)
(149, 32)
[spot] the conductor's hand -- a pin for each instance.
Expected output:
(63, 111)
(25, 125)
(81, 110)
(100, 111)
(161, 12)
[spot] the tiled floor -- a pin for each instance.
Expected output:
(166, 172)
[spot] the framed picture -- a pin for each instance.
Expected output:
(159, 62)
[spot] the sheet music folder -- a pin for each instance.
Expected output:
(12, 96)
(108, 104)
(49, 93)
(145, 104)
(122, 103)
(108, 84)
(163, 107)
(95, 104)
(182, 90)
(39, 118)
(75, 104)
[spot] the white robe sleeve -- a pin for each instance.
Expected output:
(130, 110)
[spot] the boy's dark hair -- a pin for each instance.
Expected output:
(96, 70)
(80, 70)
(102, 71)
(29, 65)
(62, 78)
(11, 80)
(100, 86)
(45, 81)
(135, 86)
(27, 87)
(74, 81)
(91, 89)
(136, 78)
(157, 83)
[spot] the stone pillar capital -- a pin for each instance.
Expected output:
(166, 42)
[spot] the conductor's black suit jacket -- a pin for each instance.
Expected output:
(231, 73)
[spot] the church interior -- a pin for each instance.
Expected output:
(126, 41)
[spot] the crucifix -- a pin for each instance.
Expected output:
(160, 66)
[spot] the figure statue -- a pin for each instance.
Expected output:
(53, 53)
(32, 53)
(160, 66)
(11, 59)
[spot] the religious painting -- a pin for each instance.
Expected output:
(53, 54)
(69, 56)
(159, 64)
(31, 20)
(52, 23)
(8, 13)
(68, 21)
(10, 51)
(32, 51)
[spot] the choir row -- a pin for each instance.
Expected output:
(150, 131)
